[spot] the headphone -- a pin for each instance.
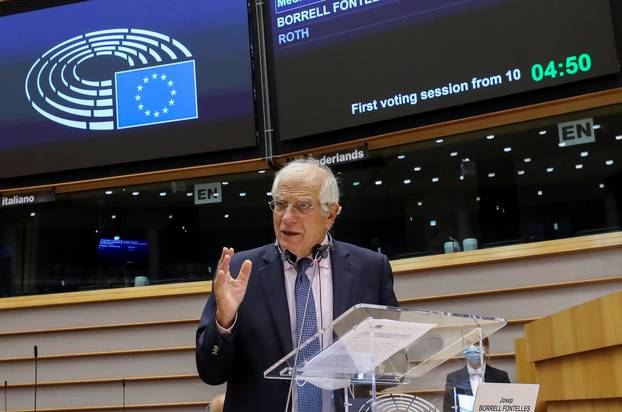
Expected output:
(318, 252)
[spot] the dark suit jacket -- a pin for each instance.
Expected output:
(262, 333)
(460, 380)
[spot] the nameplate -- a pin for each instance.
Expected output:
(505, 397)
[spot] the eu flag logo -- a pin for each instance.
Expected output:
(156, 94)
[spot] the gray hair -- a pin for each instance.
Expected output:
(329, 189)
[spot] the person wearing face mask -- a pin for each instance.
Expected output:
(464, 381)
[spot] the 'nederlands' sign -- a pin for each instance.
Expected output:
(26, 199)
(351, 155)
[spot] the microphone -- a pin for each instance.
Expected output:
(123, 385)
(36, 352)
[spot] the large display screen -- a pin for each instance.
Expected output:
(104, 82)
(343, 63)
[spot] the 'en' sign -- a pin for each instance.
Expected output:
(207, 193)
(576, 132)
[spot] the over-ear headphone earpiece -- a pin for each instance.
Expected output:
(320, 252)
(286, 255)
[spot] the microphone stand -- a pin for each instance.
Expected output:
(123, 384)
(36, 351)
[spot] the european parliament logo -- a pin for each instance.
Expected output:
(155, 81)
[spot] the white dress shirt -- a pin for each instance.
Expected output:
(321, 278)
(476, 376)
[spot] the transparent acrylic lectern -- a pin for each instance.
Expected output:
(386, 354)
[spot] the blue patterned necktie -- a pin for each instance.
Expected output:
(309, 396)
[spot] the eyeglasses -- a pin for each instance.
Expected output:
(302, 207)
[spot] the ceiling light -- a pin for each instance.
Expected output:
(542, 132)
(162, 194)
(268, 193)
(170, 216)
(490, 136)
(378, 182)
(466, 159)
(225, 183)
(261, 172)
(578, 166)
(435, 179)
(108, 192)
(419, 203)
(113, 216)
(597, 126)
(226, 216)
(461, 178)
(619, 137)
(609, 162)
(433, 222)
(407, 181)
(527, 159)
(521, 172)
(135, 193)
(439, 140)
(33, 214)
(550, 169)
(401, 157)
(189, 194)
(539, 192)
(602, 185)
(116, 237)
(477, 199)
(356, 183)
(453, 154)
(562, 144)
(507, 149)
(417, 168)
(491, 174)
(242, 194)
(584, 154)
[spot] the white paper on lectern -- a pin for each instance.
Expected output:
(466, 402)
(363, 348)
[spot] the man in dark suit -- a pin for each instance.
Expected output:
(253, 320)
(464, 381)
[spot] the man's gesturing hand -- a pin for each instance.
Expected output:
(229, 291)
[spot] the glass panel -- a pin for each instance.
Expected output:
(502, 186)
(508, 185)
(395, 350)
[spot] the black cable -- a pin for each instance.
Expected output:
(36, 351)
